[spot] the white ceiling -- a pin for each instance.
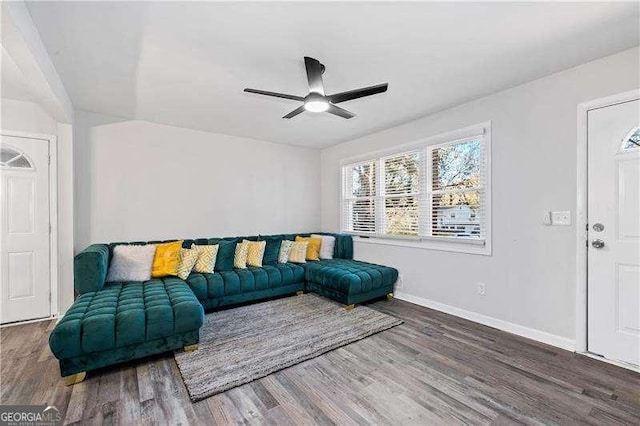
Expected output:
(186, 64)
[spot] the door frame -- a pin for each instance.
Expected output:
(53, 216)
(581, 309)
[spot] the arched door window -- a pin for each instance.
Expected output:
(11, 158)
(631, 142)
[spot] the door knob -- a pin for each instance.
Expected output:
(597, 243)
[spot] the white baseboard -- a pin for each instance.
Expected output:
(529, 333)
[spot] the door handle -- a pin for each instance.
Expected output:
(597, 243)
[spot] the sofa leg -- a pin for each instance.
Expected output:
(191, 348)
(389, 296)
(74, 378)
(299, 292)
(349, 307)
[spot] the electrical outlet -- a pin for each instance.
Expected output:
(482, 289)
(399, 282)
(561, 218)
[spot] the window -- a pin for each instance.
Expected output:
(359, 183)
(401, 193)
(431, 192)
(456, 190)
(631, 142)
(13, 159)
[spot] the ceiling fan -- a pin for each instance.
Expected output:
(316, 100)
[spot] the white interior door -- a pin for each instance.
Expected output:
(24, 245)
(614, 232)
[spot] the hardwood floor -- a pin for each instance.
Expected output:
(433, 369)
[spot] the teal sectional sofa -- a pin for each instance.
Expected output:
(111, 323)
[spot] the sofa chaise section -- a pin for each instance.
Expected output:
(349, 281)
(116, 322)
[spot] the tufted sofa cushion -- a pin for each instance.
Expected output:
(239, 281)
(123, 314)
(350, 276)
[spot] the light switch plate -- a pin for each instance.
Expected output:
(561, 218)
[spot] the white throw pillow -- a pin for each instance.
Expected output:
(131, 263)
(328, 243)
(285, 248)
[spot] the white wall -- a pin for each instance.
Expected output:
(25, 116)
(137, 180)
(530, 278)
(29, 117)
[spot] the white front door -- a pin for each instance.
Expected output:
(24, 244)
(614, 232)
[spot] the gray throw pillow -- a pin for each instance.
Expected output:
(131, 263)
(328, 243)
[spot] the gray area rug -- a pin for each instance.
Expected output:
(246, 343)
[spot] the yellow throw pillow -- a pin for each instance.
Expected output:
(166, 260)
(240, 258)
(188, 258)
(313, 248)
(256, 253)
(298, 252)
(207, 256)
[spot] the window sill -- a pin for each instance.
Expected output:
(480, 247)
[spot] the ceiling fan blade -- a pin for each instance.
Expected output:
(295, 112)
(340, 112)
(314, 75)
(358, 93)
(275, 94)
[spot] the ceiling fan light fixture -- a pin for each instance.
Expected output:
(316, 106)
(315, 102)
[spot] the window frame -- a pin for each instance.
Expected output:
(424, 146)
